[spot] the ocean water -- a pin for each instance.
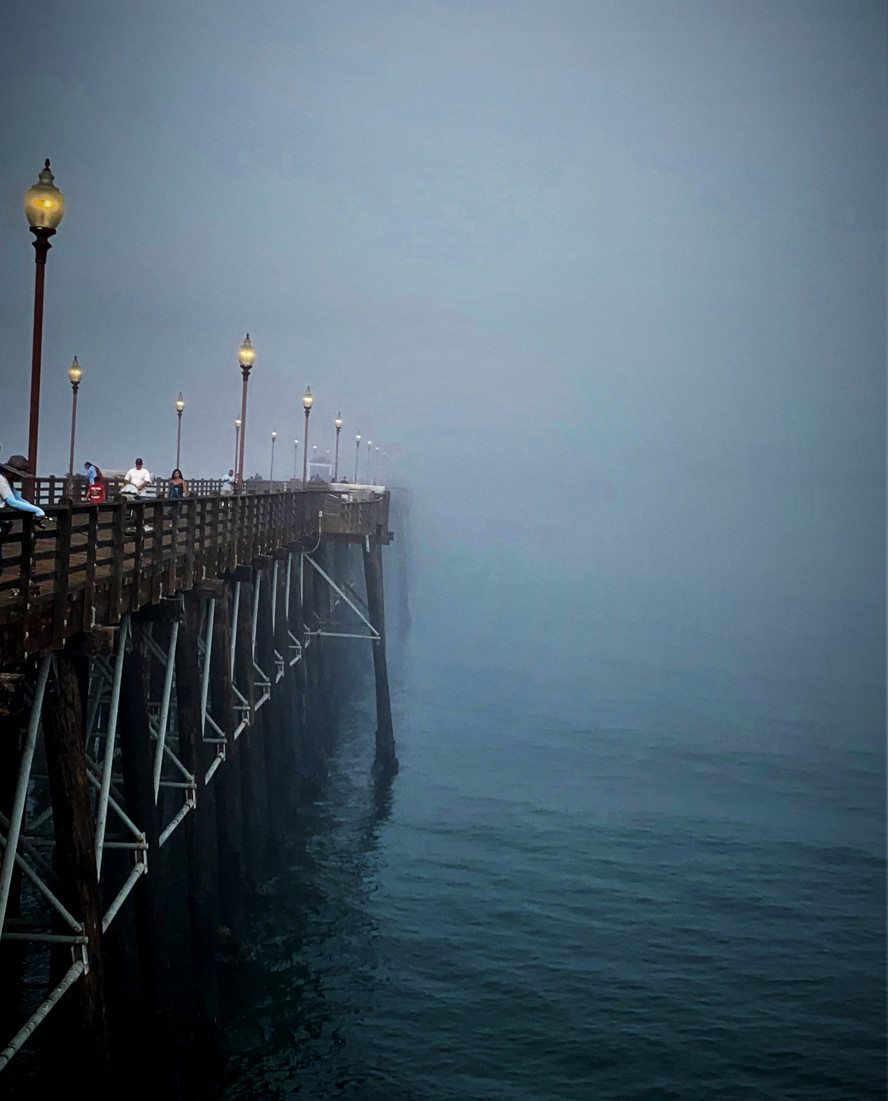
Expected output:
(633, 884)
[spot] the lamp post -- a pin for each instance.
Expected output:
(307, 401)
(274, 436)
(357, 452)
(246, 357)
(376, 462)
(180, 409)
(237, 424)
(295, 456)
(369, 450)
(75, 374)
(338, 423)
(44, 209)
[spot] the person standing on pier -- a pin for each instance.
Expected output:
(228, 482)
(178, 489)
(138, 477)
(95, 491)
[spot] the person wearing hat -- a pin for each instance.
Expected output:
(138, 477)
(13, 470)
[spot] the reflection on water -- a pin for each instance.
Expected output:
(634, 886)
(315, 968)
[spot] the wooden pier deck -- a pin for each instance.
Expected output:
(90, 564)
(168, 682)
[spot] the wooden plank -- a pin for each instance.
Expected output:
(62, 561)
(190, 535)
(90, 582)
(157, 524)
(138, 514)
(118, 537)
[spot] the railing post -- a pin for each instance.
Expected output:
(138, 552)
(118, 540)
(92, 535)
(190, 535)
(60, 579)
(157, 522)
(202, 543)
(24, 597)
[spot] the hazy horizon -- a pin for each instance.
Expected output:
(605, 281)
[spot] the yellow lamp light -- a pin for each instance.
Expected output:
(247, 353)
(44, 203)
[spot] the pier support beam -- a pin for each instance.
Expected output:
(229, 811)
(154, 966)
(83, 1022)
(200, 835)
(269, 716)
(386, 761)
(254, 797)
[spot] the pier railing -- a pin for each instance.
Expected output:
(53, 490)
(88, 564)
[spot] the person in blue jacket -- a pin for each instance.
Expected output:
(13, 470)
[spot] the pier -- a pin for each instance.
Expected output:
(164, 680)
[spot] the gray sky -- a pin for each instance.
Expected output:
(570, 261)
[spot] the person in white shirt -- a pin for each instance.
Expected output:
(138, 476)
(228, 482)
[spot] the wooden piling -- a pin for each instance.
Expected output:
(137, 753)
(268, 715)
(229, 813)
(254, 796)
(200, 826)
(82, 1027)
(386, 761)
(284, 725)
(12, 723)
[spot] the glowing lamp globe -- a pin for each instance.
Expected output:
(44, 203)
(246, 355)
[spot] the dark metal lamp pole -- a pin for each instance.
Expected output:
(357, 453)
(180, 409)
(271, 471)
(44, 209)
(246, 358)
(307, 401)
(75, 374)
(237, 425)
(338, 423)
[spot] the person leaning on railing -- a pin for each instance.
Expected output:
(12, 471)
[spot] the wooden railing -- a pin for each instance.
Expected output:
(88, 564)
(54, 489)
